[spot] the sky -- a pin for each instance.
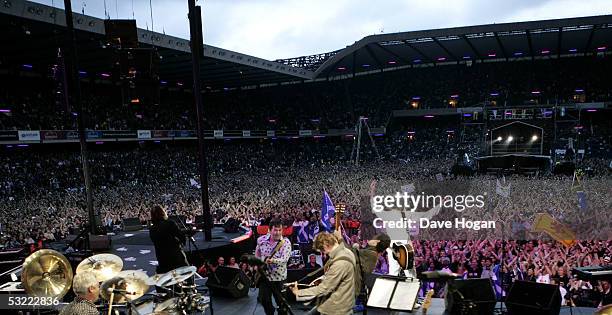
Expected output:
(274, 29)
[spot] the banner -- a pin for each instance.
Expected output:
(8, 135)
(246, 133)
(29, 135)
(92, 134)
(270, 133)
(218, 133)
(144, 134)
(160, 134)
(305, 132)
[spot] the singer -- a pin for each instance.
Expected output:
(168, 241)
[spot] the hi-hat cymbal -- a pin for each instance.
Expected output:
(103, 266)
(134, 282)
(46, 273)
(175, 276)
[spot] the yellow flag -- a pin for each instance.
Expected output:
(560, 232)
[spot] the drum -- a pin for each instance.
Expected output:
(169, 307)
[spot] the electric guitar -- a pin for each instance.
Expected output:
(427, 301)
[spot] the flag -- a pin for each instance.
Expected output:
(194, 183)
(501, 190)
(544, 222)
(582, 202)
(577, 181)
(328, 211)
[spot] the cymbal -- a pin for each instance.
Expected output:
(175, 276)
(46, 273)
(606, 310)
(154, 278)
(132, 281)
(103, 266)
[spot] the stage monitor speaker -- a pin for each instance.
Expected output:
(230, 282)
(526, 297)
(99, 242)
(121, 33)
(132, 224)
(199, 221)
(474, 294)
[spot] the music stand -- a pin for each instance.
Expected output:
(402, 297)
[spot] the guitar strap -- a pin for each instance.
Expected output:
(278, 246)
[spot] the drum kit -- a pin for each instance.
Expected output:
(48, 273)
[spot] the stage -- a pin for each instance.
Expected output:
(137, 252)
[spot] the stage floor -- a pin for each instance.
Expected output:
(137, 252)
(248, 305)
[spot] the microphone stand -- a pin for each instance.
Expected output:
(280, 298)
(190, 237)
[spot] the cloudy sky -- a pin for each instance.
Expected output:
(275, 29)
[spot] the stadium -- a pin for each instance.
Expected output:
(144, 173)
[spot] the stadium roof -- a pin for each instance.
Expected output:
(493, 42)
(32, 32)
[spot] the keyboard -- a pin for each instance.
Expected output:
(593, 272)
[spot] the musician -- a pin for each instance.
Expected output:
(275, 251)
(336, 292)
(87, 290)
(168, 241)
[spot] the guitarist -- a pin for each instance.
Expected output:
(274, 250)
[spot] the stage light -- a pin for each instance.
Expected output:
(510, 138)
(534, 138)
(499, 138)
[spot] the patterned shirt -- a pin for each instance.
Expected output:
(277, 271)
(80, 306)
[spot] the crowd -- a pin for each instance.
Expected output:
(42, 198)
(36, 102)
